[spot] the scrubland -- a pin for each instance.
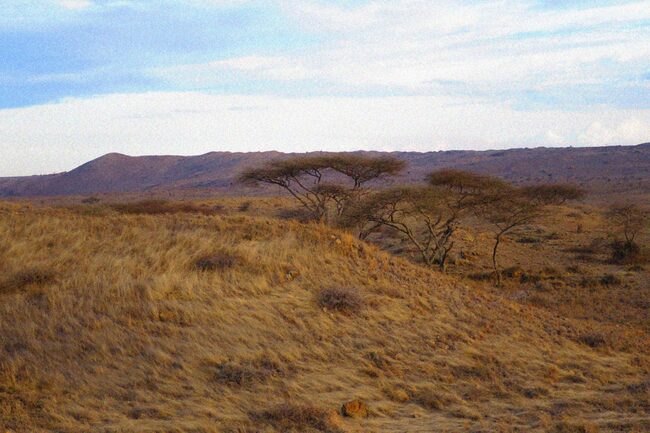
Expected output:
(221, 317)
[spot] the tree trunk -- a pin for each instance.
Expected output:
(495, 265)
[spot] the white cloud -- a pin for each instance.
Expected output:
(61, 136)
(76, 4)
(628, 130)
(490, 46)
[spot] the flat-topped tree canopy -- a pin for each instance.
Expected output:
(322, 182)
(465, 181)
(553, 193)
(362, 169)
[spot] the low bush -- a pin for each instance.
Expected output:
(91, 200)
(566, 426)
(610, 280)
(625, 252)
(296, 214)
(593, 339)
(219, 261)
(434, 398)
(480, 276)
(528, 240)
(157, 207)
(244, 207)
(295, 417)
(23, 279)
(247, 372)
(340, 299)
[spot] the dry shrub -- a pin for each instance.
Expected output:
(297, 214)
(219, 261)
(593, 339)
(157, 207)
(289, 417)
(148, 413)
(610, 280)
(638, 388)
(568, 426)
(575, 269)
(90, 200)
(245, 206)
(25, 278)
(513, 272)
(434, 398)
(345, 300)
(626, 253)
(597, 245)
(248, 372)
(480, 276)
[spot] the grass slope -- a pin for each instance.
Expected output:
(198, 323)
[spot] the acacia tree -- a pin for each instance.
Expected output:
(507, 207)
(324, 184)
(416, 212)
(427, 215)
(463, 190)
(628, 220)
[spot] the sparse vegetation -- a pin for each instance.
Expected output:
(345, 300)
(179, 310)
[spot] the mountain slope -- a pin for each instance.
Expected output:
(603, 169)
(194, 323)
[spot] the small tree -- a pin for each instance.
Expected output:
(554, 194)
(506, 208)
(427, 216)
(627, 221)
(416, 212)
(324, 184)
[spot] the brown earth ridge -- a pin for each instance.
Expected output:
(600, 170)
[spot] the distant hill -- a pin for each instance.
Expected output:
(599, 169)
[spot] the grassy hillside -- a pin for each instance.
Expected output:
(188, 322)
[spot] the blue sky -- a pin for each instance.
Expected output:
(79, 78)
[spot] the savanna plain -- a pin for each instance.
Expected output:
(259, 314)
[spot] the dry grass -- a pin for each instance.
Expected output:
(128, 337)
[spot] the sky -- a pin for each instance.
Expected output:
(82, 78)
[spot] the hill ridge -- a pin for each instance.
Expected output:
(608, 169)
